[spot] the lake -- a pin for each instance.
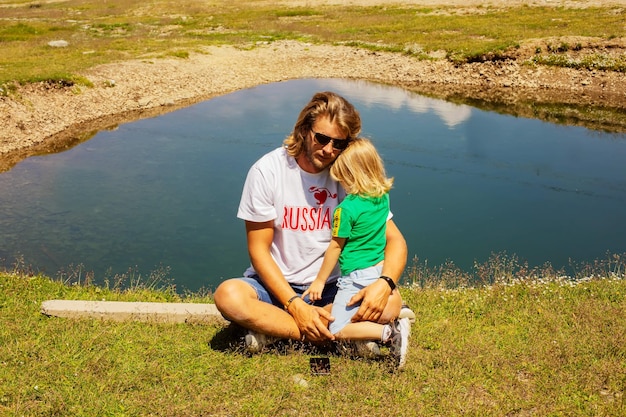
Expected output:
(161, 194)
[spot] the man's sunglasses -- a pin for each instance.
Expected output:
(323, 140)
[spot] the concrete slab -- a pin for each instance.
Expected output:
(133, 311)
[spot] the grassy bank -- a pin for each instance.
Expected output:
(540, 345)
(102, 32)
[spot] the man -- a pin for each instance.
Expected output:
(287, 205)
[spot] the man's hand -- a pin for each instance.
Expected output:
(373, 299)
(312, 321)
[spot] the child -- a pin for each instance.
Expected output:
(358, 243)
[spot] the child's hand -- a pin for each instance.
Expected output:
(314, 291)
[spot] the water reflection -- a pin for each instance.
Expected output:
(164, 191)
(395, 99)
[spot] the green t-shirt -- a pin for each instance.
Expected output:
(362, 221)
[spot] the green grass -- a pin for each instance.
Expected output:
(538, 344)
(101, 32)
(594, 62)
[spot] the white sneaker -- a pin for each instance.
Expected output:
(255, 342)
(364, 349)
(406, 312)
(400, 331)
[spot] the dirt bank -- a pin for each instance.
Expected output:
(42, 118)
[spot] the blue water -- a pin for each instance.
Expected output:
(163, 192)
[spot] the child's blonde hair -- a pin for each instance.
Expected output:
(360, 170)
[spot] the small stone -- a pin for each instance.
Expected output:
(299, 380)
(59, 44)
(145, 102)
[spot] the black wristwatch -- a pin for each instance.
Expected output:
(392, 284)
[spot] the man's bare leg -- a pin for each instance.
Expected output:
(238, 302)
(392, 309)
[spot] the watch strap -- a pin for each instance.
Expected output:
(392, 284)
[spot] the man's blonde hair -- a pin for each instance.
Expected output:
(360, 169)
(325, 104)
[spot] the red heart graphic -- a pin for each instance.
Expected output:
(320, 196)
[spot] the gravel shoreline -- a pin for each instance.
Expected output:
(41, 118)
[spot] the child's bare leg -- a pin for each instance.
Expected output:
(364, 330)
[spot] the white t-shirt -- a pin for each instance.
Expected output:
(300, 204)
